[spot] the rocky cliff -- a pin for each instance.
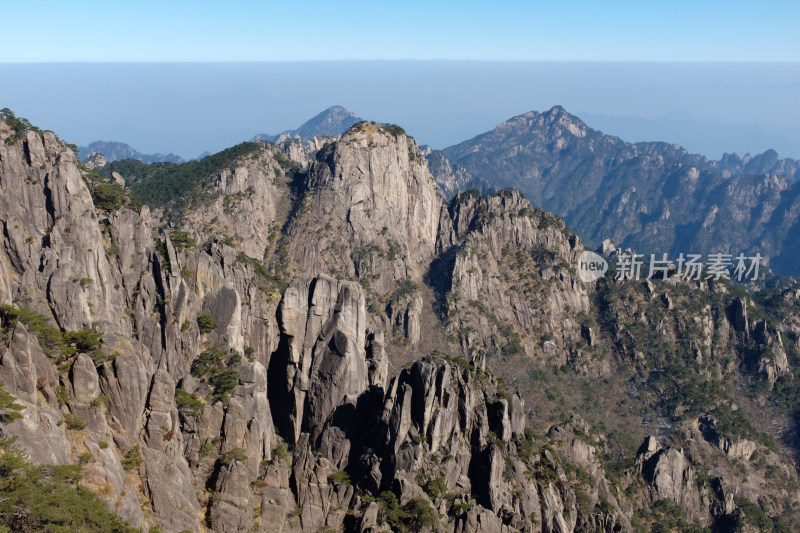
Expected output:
(320, 342)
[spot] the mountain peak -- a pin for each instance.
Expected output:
(555, 116)
(332, 122)
(554, 112)
(558, 114)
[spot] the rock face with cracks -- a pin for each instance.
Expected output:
(243, 370)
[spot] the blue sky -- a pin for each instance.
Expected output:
(188, 108)
(49, 30)
(186, 77)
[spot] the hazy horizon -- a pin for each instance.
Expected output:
(189, 108)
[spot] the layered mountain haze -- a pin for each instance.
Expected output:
(313, 337)
(652, 197)
(332, 122)
(117, 151)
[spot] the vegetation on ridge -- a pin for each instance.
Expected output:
(20, 125)
(54, 342)
(176, 186)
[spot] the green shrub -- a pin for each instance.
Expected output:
(50, 338)
(85, 458)
(416, 515)
(406, 288)
(207, 448)
(62, 394)
(181, 240)
(420, 514)
(188, 402)
(209, 361)
(394, 129)
(752, 514)
(9, 408)
(394, 250)
(83, 341)
(209, 367)
(436, 488)
(461, 508)
(224, 382)
(463, 363)
(132, 458)
(234, 455)
(85, 282)
(206, 322)
(281, 451)
(103, 444)
(109, 196)
(669, 517)
(101, 399)
(72, 422)
(339, 478)
(20, 125)
(734, 423)
(391, 511)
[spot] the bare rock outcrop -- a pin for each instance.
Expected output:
(249, 202)
(371, 211)
(27, 374)
(671, 476)
(509, 290)
(322, 357)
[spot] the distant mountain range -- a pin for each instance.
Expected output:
(698, 135)
(117, 151)
(654, 197)
(332, 122)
